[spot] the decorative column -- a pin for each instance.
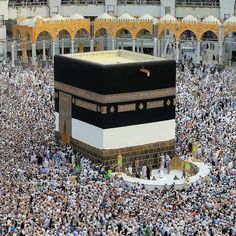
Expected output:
(92, 36)
(53, 50)
(91, 44)
(198, 51)
(34, 53)
(72, 46)
(62, 45)
(133, 45)
(221, 44)
(155, 35)
(177, 51)
(141, 45)
(221, 52)
(102, 44)
(5, 52)
(113, 46)
(158, 47)
(16, 50)
(12, 54)
(137, 46)
(155, 47)
(24, 52)
(122, 44)
(44, 50)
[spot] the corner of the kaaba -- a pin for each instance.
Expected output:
(117, 109)
(77, 73)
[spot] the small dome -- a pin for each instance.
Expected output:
(168, 18)
(231, 20)
(25, 22)
(155, 21)
(32, 21)
(189, 19)
(212, 20)
(19, 19)
(146, 17)
(105, 16)
(57, 17)
(38, 17)
(77, 16)
(126, 16)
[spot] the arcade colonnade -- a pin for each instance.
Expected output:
(38, 28)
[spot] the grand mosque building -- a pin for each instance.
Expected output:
(118, 117)
(198, 30)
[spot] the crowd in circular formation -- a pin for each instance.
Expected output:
(50, 189)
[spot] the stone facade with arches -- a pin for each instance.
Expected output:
(114, 26)
(134, 27)
(52, 28)
(179, 27)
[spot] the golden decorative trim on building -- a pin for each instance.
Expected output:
(155, 104)
(174, 102)
(86, 105)
(112, 109)
(65, 119)
(103, 110)
(141, 106)
(113, 98)
(126, 107)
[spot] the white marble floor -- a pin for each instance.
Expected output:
(168, 179)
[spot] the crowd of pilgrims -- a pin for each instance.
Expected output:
(51, 189)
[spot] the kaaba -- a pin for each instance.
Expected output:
(114, 103)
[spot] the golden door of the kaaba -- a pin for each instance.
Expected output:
(65, 116)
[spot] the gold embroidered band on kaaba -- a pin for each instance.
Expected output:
(114, 98)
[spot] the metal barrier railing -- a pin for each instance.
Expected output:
(26, 3)
(139, 2)
(82, 2)
(197, 3)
